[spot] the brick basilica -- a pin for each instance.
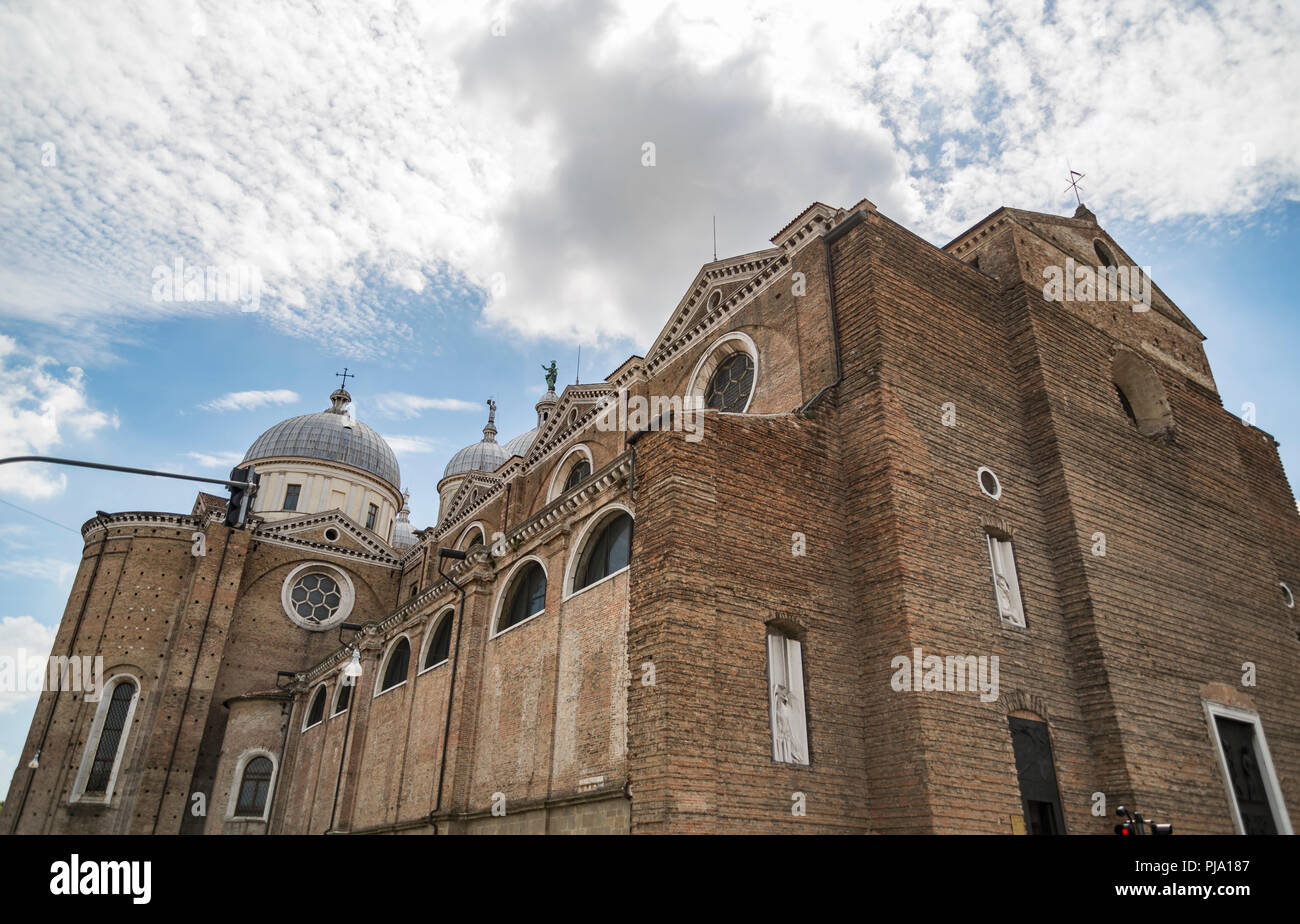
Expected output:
(911, 462)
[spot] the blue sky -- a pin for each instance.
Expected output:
(443, 201)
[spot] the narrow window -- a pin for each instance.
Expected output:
(786, 699)
(527, 597)
(1006, 586)
(440, 645)
(1039, 796)
(577, 475)
(608, 553)
(291, 496)
(344, 695)
(317, 711)
(371, 516)
(254, 788)
(108, 750)
(398, 662)
(415, 586)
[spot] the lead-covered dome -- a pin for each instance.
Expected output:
(332, 436)
(484, 456)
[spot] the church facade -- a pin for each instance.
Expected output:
(878, 537)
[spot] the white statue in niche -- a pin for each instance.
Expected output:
(786, 744)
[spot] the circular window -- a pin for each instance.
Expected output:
(1103, 253)
(989, 483)
(1287, 597)
(715, 299)
(331, 535)
(317, 596)
(732, 381)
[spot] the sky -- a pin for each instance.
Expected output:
(443, 197)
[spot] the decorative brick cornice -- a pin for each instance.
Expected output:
(137, 518)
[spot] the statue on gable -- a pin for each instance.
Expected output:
(552, 373)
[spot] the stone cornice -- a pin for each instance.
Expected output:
(140, 518)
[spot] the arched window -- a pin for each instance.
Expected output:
(254, 788)
(317, 710)
(731, 384)
(439, 649)
(525, 598)
(725, 377)
(108, 738)
(1104, 256)
(470, 538)
(399, 660)
(577, 475)
(1141, 395)
(342, 696)
(609, 552)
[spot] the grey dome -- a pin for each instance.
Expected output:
(325, 436)
(403, 533)
(483, 456)
(519, 445)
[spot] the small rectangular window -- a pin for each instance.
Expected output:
(1006, 586)
(414, 588)
(372, 516)
(291, 496)
(786, 699)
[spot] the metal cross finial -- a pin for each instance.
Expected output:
(345, 375)
(1075, 177)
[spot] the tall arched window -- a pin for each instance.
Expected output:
(399, 660)
(254, 788)
(342, 696)
(107, 741)
(607, 553)
(439, 649)
(316, 712)
(525, 598)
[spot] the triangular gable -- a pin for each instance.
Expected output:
(731, 273)
(577, 406)
(475, 488)
(352, 537)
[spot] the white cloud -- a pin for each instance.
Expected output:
(22, 635)
(378, 162)
(248, 400)
(411, 444)
(400, 404)
(41, 408)
(57, 570)
(216, 459)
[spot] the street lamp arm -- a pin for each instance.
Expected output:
(122, 468)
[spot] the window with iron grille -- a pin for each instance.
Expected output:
(255, 788)
(110, 737)
(732, 381)
(610, 552)
(398, 662)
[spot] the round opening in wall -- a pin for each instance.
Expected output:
(1104, 256)
(989, 483)
(1287, 597)
(331, 535)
